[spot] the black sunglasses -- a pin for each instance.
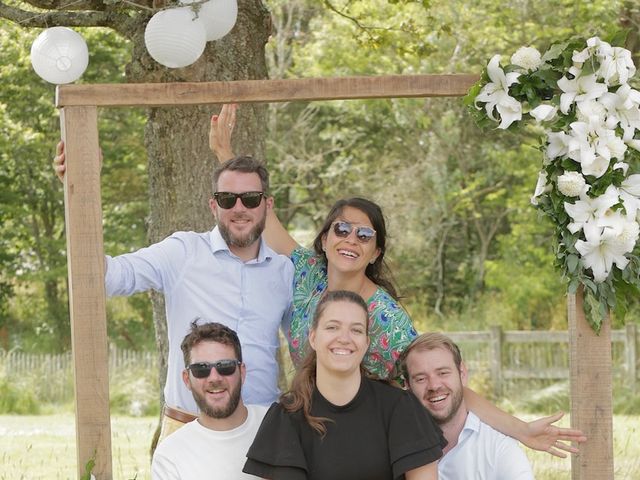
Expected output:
(343, 230)
(223, 367)
(227, 200)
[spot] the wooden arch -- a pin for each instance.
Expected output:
(590, 355)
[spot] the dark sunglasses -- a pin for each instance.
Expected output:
(344, 229)
(227, 200)
(223, 367)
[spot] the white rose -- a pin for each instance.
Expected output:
(571, 184)
(527, 57)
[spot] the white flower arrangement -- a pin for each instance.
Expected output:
(579, 92)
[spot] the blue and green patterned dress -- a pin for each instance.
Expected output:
(390, 328)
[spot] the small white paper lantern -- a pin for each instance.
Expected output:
(59, 55)
(175, 38)
(218, 16)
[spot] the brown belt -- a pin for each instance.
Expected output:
(178, 415)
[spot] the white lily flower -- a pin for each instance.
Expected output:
(580, 89)
(623, 107)
(604, 247)
(590, 108)
(631, 205)
(589, 209)
(572, 184)
(620, 230)
(621, 166)
(558, 145)
(631, 184)
(633, 143)
(593, 145)
(617, 66)
(495, 95)
(595, 46)
(542, 187)
(544, 113)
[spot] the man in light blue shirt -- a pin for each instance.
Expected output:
(436, 375)
(228, 275)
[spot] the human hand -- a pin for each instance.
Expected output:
(59, 165)
(58, 161)
(542, 435)
(221, 130)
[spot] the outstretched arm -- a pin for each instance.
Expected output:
(539, 434)
(276, 236)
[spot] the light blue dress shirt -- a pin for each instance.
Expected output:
(200, 277)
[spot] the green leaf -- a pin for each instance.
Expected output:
(572, 263)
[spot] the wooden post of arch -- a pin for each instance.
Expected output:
(85, 242)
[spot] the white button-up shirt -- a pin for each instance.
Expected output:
(483, 453)
(200, 277)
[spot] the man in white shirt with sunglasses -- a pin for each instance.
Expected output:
(228, 273)
(213, 446)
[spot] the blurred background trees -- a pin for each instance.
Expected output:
(466, 247)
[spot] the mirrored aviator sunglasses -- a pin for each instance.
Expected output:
(223, 367)
(227, 200)
(343, 230)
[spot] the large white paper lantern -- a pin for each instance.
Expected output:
(175, 38)
(218, 16)
(59, 55)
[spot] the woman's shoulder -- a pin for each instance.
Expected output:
(384, 389)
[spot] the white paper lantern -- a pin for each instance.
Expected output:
(59, 55)
(175, 38)
(218, 16)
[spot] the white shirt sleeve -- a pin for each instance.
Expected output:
(512, 463)
(162, 468)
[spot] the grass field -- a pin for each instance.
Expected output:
(43, 447)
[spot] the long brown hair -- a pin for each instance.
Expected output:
(378, 271)
(304, 382)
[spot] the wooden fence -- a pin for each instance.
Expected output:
(503, 357)
(509, 357)
(51, 375)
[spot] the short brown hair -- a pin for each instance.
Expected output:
(431, 341)
(209, 332)
(244, 164)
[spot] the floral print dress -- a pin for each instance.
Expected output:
(390, 328)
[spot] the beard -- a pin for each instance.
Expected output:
(219, 412)
(245, 240)
(442, 418)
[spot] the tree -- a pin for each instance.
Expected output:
(175, 138)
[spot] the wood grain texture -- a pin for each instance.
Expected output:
(591, 402)
(85, 259)
(244, 91)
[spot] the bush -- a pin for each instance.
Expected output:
(17, 399)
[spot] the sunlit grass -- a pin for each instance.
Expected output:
(43, 447)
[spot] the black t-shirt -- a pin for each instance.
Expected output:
(381, 434)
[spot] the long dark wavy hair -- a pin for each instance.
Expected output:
(378, 272)
(304, 382)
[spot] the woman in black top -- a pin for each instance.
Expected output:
(337, 424)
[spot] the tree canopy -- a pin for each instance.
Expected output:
(466, 248)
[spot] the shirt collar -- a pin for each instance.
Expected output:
(219, 245)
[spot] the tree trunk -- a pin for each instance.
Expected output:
(180, 164)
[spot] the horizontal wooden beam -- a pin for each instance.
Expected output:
(246, 91)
